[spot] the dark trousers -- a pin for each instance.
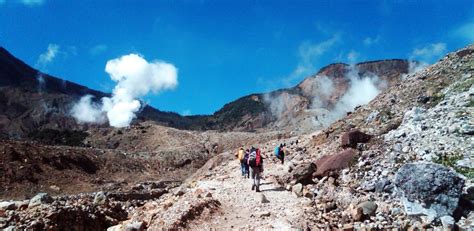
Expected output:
(281, 157)
(256, 174)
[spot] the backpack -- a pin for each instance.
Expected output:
(254, 158)
(246, 159)
(277, 151)
(241, 154)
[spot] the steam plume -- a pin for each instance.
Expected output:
(361, 90)
(135, 78)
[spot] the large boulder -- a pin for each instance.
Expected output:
(39, 199)
(352, 138)
(303, 173)
(336, 162)
(429, 189)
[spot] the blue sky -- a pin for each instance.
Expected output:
(227, 49)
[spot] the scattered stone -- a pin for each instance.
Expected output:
(466, 163)
(352, 138)
(356, 212)
(8, 205)
(100, 198)
(115, 228)
(467, 129)
(180, 191)
(330, 206)
(372, 116)
(368, 186)
(406, 149)
(348, 227)
(208, 194)
(135, 226)
(264, 214)
(448, 222)
(263, 198)
(298, 189)
(368, 208)
(168, 203)
(55, 188)
(381, 186)
(308, 193)
(40, 198)
(396, 211)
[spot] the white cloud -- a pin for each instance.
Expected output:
(135, 78)
(98, 49)
(309, 53)
(429, 53)
(370, 41)
(353, 56)
(32, 2)
(466, 32)
(48, 56)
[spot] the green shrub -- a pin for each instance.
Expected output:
(450, 161)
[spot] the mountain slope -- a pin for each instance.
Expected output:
(290, 107)
(423, 123)
(31, 100)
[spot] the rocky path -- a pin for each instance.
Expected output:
(242, 208)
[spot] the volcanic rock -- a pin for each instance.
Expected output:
(135, 226)
(40, 198)
(429, 189)
(335, 162)
(303, 173)
(100, 198)
(297, 189)
(352, 138)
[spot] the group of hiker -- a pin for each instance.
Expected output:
(251, 163)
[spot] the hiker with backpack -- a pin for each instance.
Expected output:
(246, 164)
(255, 161)
(280, 153)
(240, 156)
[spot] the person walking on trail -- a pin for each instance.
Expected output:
(280, 153)
(255, 162)
(246, 164)
(240, 156)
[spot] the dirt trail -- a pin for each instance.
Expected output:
(242, 208)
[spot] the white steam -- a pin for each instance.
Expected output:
(362, 90)
(87, 111)
(135, 78)
(326, 106)
(414, 67)
(322, 87)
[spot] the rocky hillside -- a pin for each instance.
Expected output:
(403, 161)
(296, 107)
(32, 101)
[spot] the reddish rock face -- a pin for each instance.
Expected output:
(335, 162)
(352, 138)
